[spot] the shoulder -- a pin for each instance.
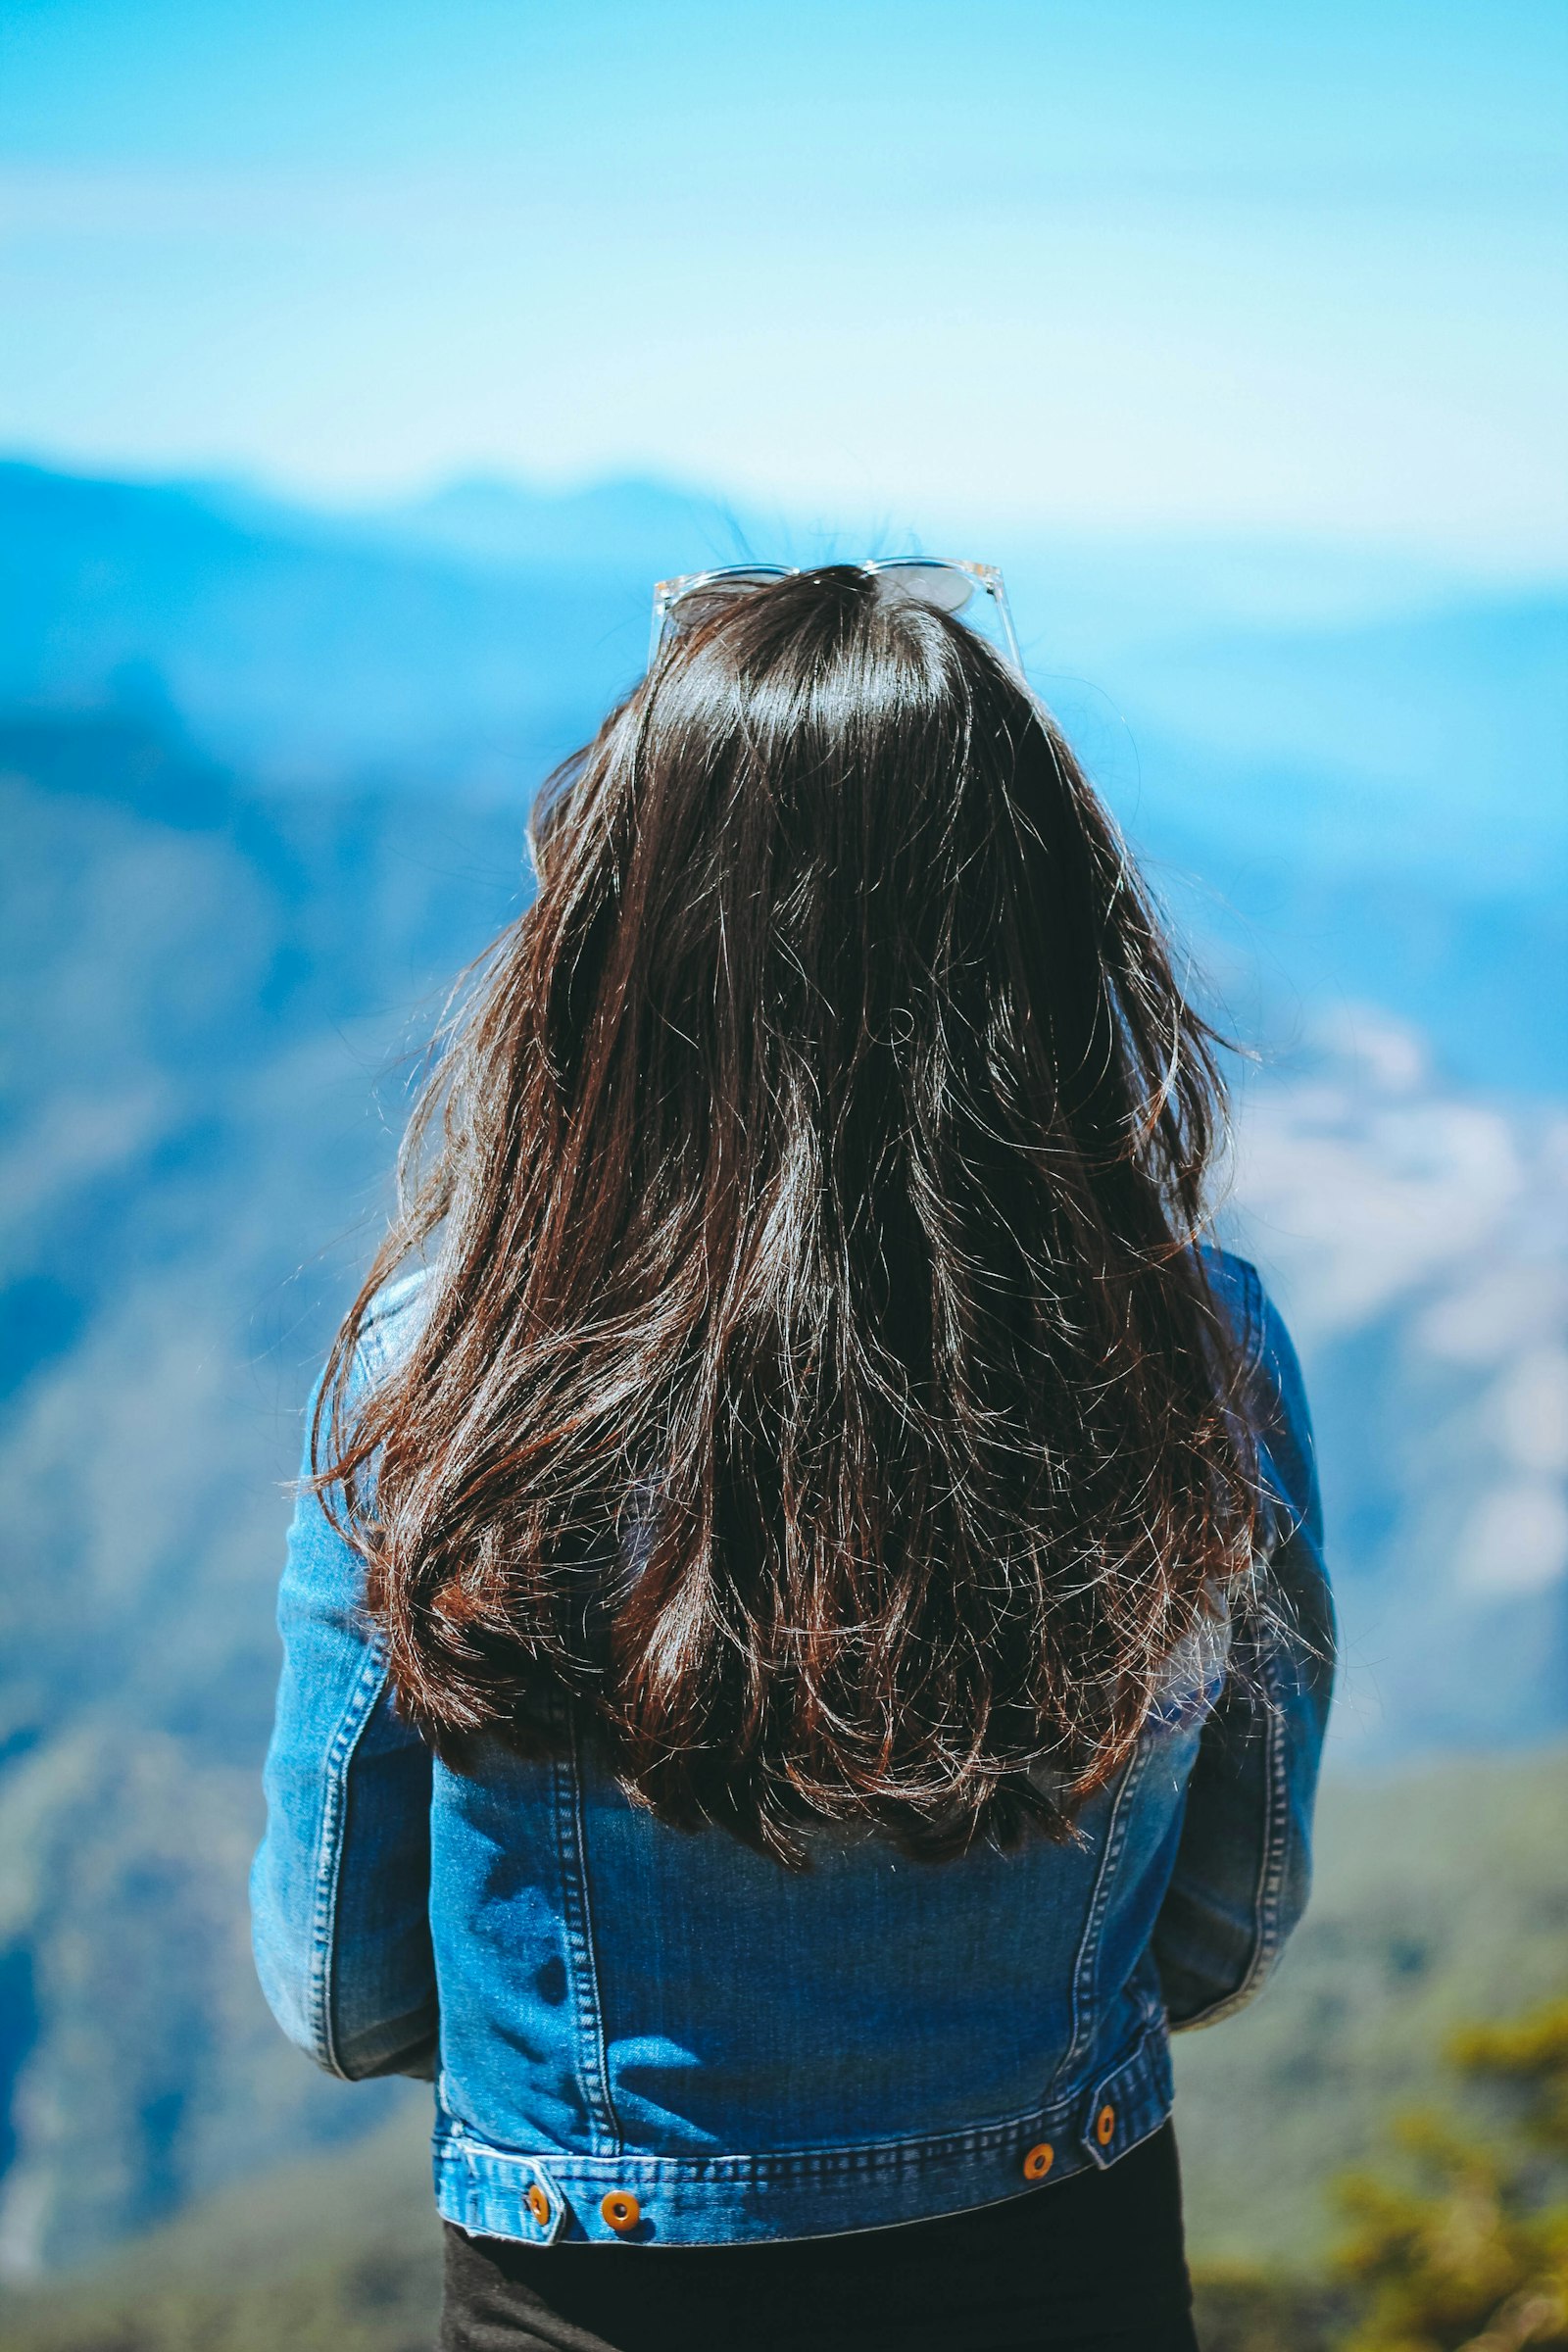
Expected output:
(1268, 1352)
(391, 1322)
(1237, 1290)
(1273, 1388)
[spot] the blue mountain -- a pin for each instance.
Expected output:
(263, 777)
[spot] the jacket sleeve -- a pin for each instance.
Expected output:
(1244, 1860)
(341, 1886)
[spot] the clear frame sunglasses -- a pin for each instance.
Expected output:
(947, 586)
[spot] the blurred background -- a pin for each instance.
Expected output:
(364, 365)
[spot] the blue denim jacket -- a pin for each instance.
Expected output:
(643, 2034)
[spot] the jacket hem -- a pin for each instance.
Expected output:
(542, 2195)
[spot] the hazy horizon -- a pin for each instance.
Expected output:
(1171, 268)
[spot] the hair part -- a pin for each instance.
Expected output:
(816, 1377)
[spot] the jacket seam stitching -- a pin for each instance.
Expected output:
(1140, 2057)
(587, 2004)
(358, 1709)
(1271, 1874)
(1258, 1320)
(1270, 1878)
(1088, 1952)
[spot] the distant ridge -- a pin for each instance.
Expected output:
(645, 527)
(1375, 805)
(264, 779)
(341, 2249)
(490, 618)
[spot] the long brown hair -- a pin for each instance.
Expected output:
(815, 1382)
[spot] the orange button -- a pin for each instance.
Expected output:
(621, 2210)
(1039, 2161)
(1105, 2125)
(538, 2204)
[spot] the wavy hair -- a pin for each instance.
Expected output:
(816, 1381)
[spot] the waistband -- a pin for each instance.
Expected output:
(548, 2194)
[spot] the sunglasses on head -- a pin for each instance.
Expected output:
(946, 586)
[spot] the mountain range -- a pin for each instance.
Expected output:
(264, 774)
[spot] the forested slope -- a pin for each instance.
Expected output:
(1441, 1894)
(262, 786)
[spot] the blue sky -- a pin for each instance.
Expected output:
(1194, 265)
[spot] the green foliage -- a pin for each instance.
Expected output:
(379, 2299)
(1237, 2308)
(1531, 2054)
(1434, 1888)
(1466, 2249)
(337, 2253)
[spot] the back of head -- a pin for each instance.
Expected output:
(818, 1377)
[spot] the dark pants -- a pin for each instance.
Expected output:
(1092, 2264)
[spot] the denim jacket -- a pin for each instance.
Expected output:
(642, 2034)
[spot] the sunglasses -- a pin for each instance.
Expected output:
(947, 587)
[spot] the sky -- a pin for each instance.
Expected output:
(1104, 264)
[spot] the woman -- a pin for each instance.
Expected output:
(805, 1641)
